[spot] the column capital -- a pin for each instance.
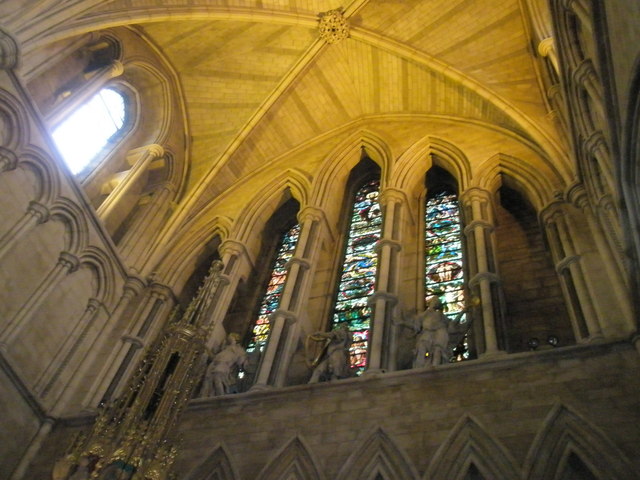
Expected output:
(94, 304)
(302, 262)
(312, 213)
(9, 51)
(554, 209)
(577, 195)
(69, 261)
(546, 46)
(38, 210)
(566, 262)
(164, 292)
(116, 69)
(134, 285)
(233, 247)
(475, 193)
(387, 242)
(479, 277)
(596, 143)
(133, 340)
(388, 297)
(469, 229)
(585, 73)
(392, 195)
(286, 314)
(8, 159)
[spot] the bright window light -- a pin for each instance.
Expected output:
(86, 131)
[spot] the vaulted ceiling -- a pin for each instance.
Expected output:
(244, 63)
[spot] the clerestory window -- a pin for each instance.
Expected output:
(271, 299)
(86, 131)
(444, 267)
(357, 281)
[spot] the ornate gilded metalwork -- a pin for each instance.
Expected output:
(333, 26)
(133, 436)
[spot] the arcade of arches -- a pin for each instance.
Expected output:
(251, 129)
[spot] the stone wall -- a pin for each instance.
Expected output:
(517, 416)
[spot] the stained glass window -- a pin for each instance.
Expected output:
(271, 299)
(357, 281)
(444, 272)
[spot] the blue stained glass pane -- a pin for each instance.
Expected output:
(357, 281)
(271, 299)
(444, 269)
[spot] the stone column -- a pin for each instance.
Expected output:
(547, 48)
(385, 298)
(284, 322)
(479, 232)
(147, 321)
(609, 255)
(84, 93)
(147, 223)
(36, 214)
(67, 263)
(236, 263)
(583, 316)
(33, 449)
(140, 159)
(131, 289)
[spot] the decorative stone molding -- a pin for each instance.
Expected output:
(9, 52)
(333, 26)
(69, 261)
(385, 296)
(8, 160)
(39, 211)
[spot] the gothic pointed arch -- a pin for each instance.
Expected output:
(46, 175)
(178, 263)
(13, 122)
(470, 444)
(103, 266)
(217, 466)
(292, 462)
(75, 222)
(344, 157)
(291, 182)
(565, 435)
(378, 457)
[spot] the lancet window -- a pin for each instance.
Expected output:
(357, 281)
(82, 135)
(271, 299)
(444, 267)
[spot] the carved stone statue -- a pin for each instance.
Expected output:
(335, 354)
(223, 367)
(432, 329)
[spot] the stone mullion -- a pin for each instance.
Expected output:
(134, 242)
(284, 327)
(481, 224)
(36, 214)
(67, 263)
(146, 155)
(385, 298)
(84, 93)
